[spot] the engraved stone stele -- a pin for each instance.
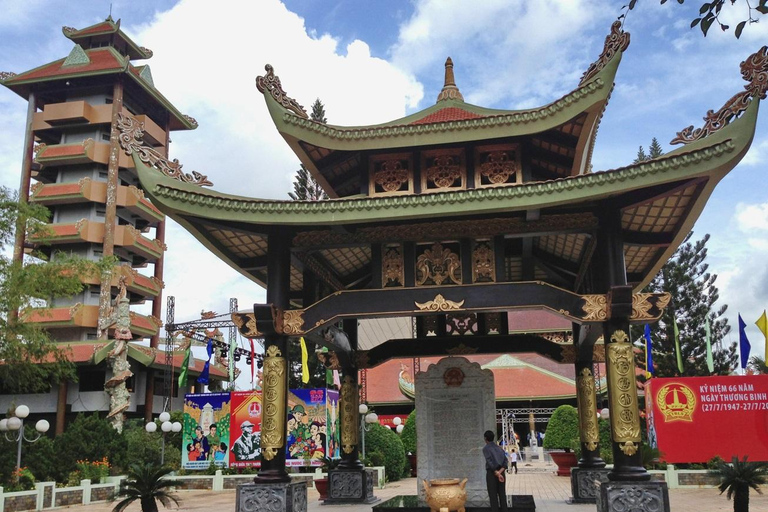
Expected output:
(272, 497)
(633, 496)
(455, 416)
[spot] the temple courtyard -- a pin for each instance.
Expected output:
(549, 491)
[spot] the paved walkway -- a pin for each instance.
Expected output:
(550, 492)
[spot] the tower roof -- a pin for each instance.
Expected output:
(107, 31)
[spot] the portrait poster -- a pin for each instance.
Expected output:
(205, 431)
(307, 439)
(333, 422)
(245, 447)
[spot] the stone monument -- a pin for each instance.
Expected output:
(456, 403)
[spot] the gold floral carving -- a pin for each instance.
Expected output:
(293, 321)
(567, 354)
(348, 415)
(438, 265)
(585, 384)
(131, 134)
(439, 303)
(641, 306)
(625, 418)
(498, 167)
(246, 324)
(595, 307)
(274, 395)
(483, 263)
(271, 83)
(617, 40)
(392, 267)
(663, 301)
(391, 176)
(755, 71)
(444, 171)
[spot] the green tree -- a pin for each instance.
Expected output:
(687, 278)
(146, 483)
(305, 188)
(654, 151)
(381, 439)
(89, 437)
(738, 477)
(757, 365)
(709, 14)
(408, 436)
(562, 429)
(31, 362)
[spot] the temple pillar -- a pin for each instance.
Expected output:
(591, 466)
(61, 406)
(272, 489)
(350, 482)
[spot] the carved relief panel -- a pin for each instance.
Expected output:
(483, 262)
(461, 324)
(442, 170)
(391, 174)
(438, 264)
(497, 165)
(392, 270)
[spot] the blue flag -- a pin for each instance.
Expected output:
(204, 375)
(648, 346)
(744, 345)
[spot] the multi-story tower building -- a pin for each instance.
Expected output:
(80, 173)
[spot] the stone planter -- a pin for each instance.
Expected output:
(565, 461)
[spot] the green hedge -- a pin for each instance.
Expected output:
(562, 429)
(408, 436)
(381, 439)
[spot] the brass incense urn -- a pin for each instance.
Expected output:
(446, 494)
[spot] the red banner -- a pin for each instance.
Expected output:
(693, 419)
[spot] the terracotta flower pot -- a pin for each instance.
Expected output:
(321, 484)
(565, 461)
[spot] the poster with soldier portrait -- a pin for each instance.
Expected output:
(307, 427)
(245, 447)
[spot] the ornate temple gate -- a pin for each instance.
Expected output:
(460, 212)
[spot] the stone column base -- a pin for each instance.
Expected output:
(585, 484)
(268, 497)
(351, 486)
(635, 496)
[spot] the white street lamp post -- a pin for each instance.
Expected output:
(166, 426)
(366, 417)
(15, 426)
(398, 421)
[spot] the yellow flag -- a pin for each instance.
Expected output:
(762, 324)
(304, 357)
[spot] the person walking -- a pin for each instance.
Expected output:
(495, 466)
(513, 460)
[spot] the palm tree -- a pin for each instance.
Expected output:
(146, 484)
(738, 477)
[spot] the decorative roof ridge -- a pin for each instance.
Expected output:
(10, 78)
(489, 121)
(755, 71)
(617, 41)
(530, 366)
(74, 33)
(271, 83)
(449, 91)
(569, 183)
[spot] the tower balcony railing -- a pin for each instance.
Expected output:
(87, 316)
(87, 151)
(88, 190)
(89, 231)
(135, 282)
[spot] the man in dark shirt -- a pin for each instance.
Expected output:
(495, 465)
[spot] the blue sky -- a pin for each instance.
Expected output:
(376, 61)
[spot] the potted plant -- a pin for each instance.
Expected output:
(321, 484)
(146, 483)
(738, 477)
(408, 437)
(562, 432)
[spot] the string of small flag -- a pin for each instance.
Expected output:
(745, 346)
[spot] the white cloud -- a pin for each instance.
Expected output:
(751, 217)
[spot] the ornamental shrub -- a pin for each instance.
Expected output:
(562, 429)
(408, 436)
(381, 439)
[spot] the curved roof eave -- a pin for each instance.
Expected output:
(493, 123)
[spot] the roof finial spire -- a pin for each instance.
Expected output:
(450, 91)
